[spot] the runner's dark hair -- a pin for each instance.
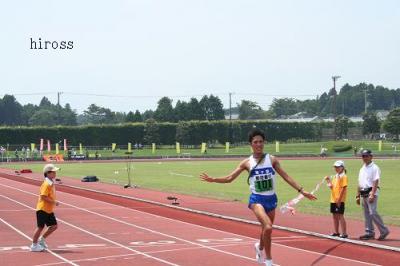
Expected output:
(256, 132)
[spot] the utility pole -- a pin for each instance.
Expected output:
(230, 106)
(58, 97)
(365, 101)
(58, 108)
(334, 78)
(230, 117)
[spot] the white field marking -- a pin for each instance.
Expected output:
(152, 243)
(18, 248)
(170, 219)
(219, 240)
(131, 256)
(178, 174)
(24, 249)
(208, 228)
(19, 210)
(159, 233)
(129, 224)
(288, 237)
(14, 249)
(95, 235)
(299, 240)
(230, 218)
(48, 250)
(72, 246)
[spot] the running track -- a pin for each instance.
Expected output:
(95, 232)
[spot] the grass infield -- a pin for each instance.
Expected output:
(183, 177)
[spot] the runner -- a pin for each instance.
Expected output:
(263, 200)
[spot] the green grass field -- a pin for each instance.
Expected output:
(183, 177)
(288, 148)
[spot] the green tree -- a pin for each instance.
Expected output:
(148, 114)
(137, 117)
(181, 111)
(392, 122)
(212, 108)
(117, 118)
(43, 117)
(310, 107)
(250, 110)
(67, 116)
(45, 103)
(130, 117)
(182, 132)
(27, 111)
(98, 115)
(164, 111)
(151, 132)
(371, 123)
(283, 107)
(342, 126)
(194, 110)
(10, 111)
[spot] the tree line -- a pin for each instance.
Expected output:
(12, 113)
(350, 101)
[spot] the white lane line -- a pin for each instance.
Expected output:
(136, 226)
(207, 228)
(19, 210)
(159, 233)
(95, 235)
(131, 256)
(24, 235)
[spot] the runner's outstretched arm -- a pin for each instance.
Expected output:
(290, 180)
(226, 179)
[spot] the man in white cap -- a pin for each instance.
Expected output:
(368, 185)
(45, 209)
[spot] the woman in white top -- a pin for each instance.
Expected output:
(263, 201)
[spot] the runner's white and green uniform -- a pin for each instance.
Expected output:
(262, 181)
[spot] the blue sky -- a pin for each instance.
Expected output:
(142, 50)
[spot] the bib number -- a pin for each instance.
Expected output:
(263, 185)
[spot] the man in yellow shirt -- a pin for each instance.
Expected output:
(45, 209)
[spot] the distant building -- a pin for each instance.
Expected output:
(382, 114)
(234, 116)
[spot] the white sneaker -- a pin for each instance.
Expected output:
(42, 243)
(36, 247)
(268, 263)
(259, 253)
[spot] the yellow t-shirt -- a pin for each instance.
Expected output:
(46, 189)
(339, 181)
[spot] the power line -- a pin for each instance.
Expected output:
(28, 94)
(278, 95)
(132, 96)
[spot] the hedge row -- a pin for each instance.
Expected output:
(192, 132)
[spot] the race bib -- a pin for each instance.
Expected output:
(263, 181)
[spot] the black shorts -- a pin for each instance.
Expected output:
(44, 218)
(335, 209)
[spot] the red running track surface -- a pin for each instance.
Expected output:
(96, 232)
